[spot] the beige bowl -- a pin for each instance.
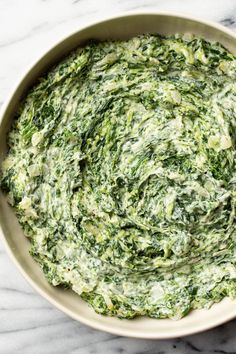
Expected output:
(11, 233)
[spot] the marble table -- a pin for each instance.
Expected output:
(28, 323)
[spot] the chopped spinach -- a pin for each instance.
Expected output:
(121, 170)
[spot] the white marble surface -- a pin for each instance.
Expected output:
(28, 323)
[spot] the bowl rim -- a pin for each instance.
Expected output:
(90, 322)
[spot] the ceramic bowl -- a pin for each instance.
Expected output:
(16, 243)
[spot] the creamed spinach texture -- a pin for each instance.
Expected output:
(121, 170)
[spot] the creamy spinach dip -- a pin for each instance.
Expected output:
(121, 170)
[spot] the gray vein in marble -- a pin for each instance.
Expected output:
(17, 291)
(28, 308)
(228, 22)
(32, 32)
(77, 1)
(36, 327)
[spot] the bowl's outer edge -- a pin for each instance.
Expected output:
(17, 247)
